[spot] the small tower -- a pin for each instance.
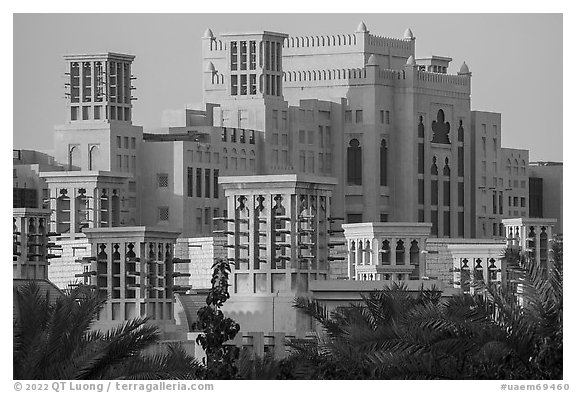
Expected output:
(278, 230)
(133, 267)
(99, 87)
(32, 249)
(531, 235)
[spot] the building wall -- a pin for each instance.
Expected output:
(61, 271)
(552, 191)
(515, 168)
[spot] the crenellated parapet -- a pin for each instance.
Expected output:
(434, 77)
(320, 41)
(398, 43)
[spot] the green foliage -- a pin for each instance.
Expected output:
(510, 331)
(220, 358)
(55, 341)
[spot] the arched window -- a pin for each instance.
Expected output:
(516, 167)
(434, 167)
(74, 157)
(400, 251)
(415, 260)
(385, 252)
(94, 158)
(446, 170)
(420, 128)
(460, 132)
(354, 163)
(509, 166)
(383, 163)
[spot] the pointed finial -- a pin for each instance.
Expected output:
(208, 34)
(362, 28)
(210, 67)
(408, 34)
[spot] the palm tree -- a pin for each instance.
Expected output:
(55, 341)
(495, 334)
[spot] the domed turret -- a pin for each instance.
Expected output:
(208, 34)
(408, 34)
(411, 62)
(464, 69)
(362, 28)
(372, 61)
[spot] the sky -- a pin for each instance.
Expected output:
(515, 60)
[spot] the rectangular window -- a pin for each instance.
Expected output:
(446, 193)
(284, 139)
(284, 157)
(198, 182)
(162, 180)
(302, 137)
(85, 113)
(199, 219)
(359, 116)
(275, 157)
(253, 56)
(133, 142)
(353, 218)
(233, 135)
(460, 161)
(348, 117)
(434, 192)
(495, 145)
(383, 217)
(126, 162)
(190, 180)
(522, 202)
(199, 156)
(420, 215)
(328, 136)
(382, 117)
(207, 156)
(515, 201)
(387, 117)
(74, 113)
(97, 112)
(275, 139)
(446, 223)
(311, 162)
(243, 85)
(420, 158)
(234, 55)
(207, 183)
(321, 136)
(119, 162)
(207, 211)
(215, 184)
(119, 142)
(460, 194)
(421, 191)
(234, 85)
(461, 224)
(302, 161)
(126, 143)
(434, 220)
(163, 214)
(243, 54)
(284, 120)
(252, 84)
(275, 119)
(310, 137)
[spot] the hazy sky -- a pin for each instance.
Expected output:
(515, 60)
